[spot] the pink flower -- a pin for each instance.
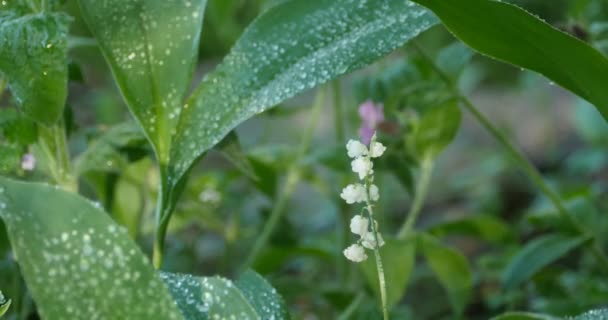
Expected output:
(371, 116)
(28, 162)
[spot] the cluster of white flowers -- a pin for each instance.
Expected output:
(362, 192)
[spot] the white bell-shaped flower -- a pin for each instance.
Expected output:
(376, 149)
(355, 253)
(362, 166)
(353, 193)
(359, 225)
(355, 149)
(369, 241)
(374, 194)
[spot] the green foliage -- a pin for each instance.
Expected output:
(76, 261)
(33, 58)
(151, 47)
(436, 129)
(510, 34)
(249, 297)
(4, 304)
(523, 316)
(104, 153)
(398, 257)
(451, 269)
(291, 47)
(536, 255)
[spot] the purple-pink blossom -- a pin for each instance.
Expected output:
(371, 116)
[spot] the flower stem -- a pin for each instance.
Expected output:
(293, 177)
(352, 307)
(518, 157)
(426, 169)
(379, 267)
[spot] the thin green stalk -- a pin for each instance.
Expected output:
(378, 258)
(293, 177)
(352, 307)
(53, 143)
(343, 265)
(426, 169)
(518, 157)
(338, 110)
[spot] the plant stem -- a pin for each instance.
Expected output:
(518, 157)
(338, 110)
(426, 169)
(343, 234)
(379, 267)
(53, 143)
(293, 177)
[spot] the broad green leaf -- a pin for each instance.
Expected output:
(264, 298)
(437, 128)
(523, 316)
(77, 263)
(398, 257)
(510, 34)
(536, 255)
(104, 153)
(454, 58)
(4, 304)
(230, 148)
(483, 226)
(33, 58)
(250, 297)
(293, 46)
(451, 268)
(151, 47)
(599, 314)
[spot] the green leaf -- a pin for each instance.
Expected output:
(523, 316)
(264, 298)
(104, 153)
(16, 128)
(230, 148)
(454, 58)
(451, 268)
(437, 129)
(4, 304)
(398, 257)
(536, 255)
(482, 226)
(33, 58)
(10, 157)
(293, 46)
(151, 47)
(510, 34)
(598, 314)
(250, 297)
(77, 263)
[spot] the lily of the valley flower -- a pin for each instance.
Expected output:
(363, 166)
(359, 225)
(363, 192)
(353, 193)
(355, 253)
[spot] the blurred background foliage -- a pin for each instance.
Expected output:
(479, 204)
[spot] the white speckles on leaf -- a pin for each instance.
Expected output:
(33, 55)
(292, 47)
(250, 297)
(76, 262)
(151, 47)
